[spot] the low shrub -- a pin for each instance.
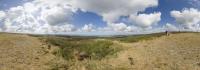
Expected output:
(96, 49)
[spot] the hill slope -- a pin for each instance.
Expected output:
(174, 52)
(22, 52)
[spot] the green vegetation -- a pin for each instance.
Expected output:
(96, 49)
(137, 38)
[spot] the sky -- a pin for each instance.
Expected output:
(98, 17)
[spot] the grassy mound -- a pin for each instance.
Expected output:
(96, 49)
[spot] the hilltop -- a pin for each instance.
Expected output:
(179, 51)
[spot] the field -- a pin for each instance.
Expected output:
(178, 51)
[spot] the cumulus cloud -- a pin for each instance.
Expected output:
(112, 10)
(130, 29)
(47, 16)
(118, 26)
(2, 15)
(170, 27)
(145, 20)
(64, 28)
(188, 18)
(39, 16)
(194, 3)
(57, 15)
(88, 28)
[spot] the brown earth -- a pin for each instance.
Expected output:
(174, 52)
(22, 52)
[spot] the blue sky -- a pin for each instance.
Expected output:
(90, 19)
(165, 6)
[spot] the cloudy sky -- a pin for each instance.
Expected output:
(98, 17)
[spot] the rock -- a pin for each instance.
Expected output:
(81, 56)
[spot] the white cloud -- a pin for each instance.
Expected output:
(118, 26)
(112, 10)
(145, 20)
(39, 16)
(64, 28)
(48, 16)
(2, 15)
(188, 18)
(170, 27)
(88, 28)
(130, 29)
(194, 3)
(57, 15)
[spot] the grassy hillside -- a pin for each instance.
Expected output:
(96, 49)
(179, 51)
(137, 38)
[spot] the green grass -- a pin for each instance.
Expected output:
(137, 38)
(96, 49)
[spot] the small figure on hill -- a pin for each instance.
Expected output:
(131, 60)
(167, 33)
(49, 47)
